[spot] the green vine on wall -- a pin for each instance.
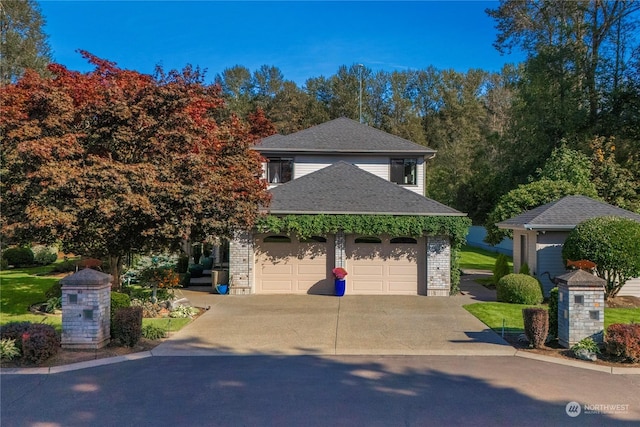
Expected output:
(455, 227)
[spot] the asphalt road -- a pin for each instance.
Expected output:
(321, 391)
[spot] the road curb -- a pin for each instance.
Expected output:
(145, 354)
(578, 364)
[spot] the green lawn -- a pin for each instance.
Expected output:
(21, 288)
(478, 259)
(492, 314)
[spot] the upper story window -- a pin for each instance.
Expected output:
(404, 171)
(279, 170)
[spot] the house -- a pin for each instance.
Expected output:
(333, 172)
(538, 236)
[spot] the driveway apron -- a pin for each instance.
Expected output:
(327, 325)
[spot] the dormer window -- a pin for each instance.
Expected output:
(279, 170)
(404, 171)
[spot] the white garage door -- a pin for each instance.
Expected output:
(393, 266)
(285, 265)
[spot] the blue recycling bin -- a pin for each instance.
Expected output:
(340, 287)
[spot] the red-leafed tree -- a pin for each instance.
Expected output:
(113, 161)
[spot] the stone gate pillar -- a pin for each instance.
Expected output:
(580, 307)
(438, 266)
(86, 309)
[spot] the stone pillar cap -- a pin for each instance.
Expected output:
(580, 278)
(85, 277)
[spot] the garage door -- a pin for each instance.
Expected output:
(285, 265)
(393, 266)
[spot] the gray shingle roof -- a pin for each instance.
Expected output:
(343, 188)
(565, 214)
(341, 136)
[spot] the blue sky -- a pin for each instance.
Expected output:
(302, 39)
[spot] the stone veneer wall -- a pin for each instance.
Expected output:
(241, 260)
(340, 250)
(580, 313)
(438, 266)
(86, 309)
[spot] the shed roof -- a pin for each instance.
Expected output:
(565, 214)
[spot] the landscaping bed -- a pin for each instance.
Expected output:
(66, 356)
(554, 349)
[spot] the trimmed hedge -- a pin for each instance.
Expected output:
(519, 289)
(119, 300)
(39, 343)
(44, 255)
(14, 331)
(127, 326)
(36, 341)
(18, 257)
(536, 325)
(623, 340)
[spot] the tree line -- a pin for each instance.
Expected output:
(565, 121)
(577, 91)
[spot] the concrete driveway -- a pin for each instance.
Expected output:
(327, 325)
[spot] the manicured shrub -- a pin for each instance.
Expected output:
(519, 289)
(153, 332)
(118, 301)
(55, 291)
(44, 255)
(524, 269)
(8, 349)
(196, 270)
(14, 331)
(553, 312)
(39, 343)
(183, 264)
(624, 341)
(500, 268)
(536, 325)
(64, 267)
(127, 326)
(18, 257)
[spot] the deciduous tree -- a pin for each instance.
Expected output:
(113, 161)
(613, 244)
